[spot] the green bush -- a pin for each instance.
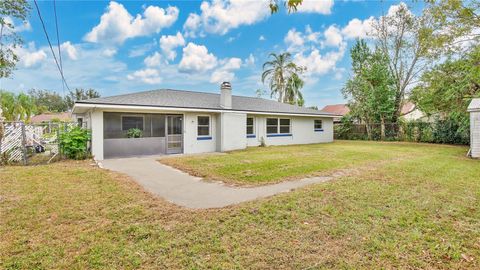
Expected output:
(451, 131)
(73, 143)
(134, 133)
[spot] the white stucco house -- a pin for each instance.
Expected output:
(176, 121)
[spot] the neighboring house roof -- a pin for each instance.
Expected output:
(200, 100)
(338, 109)
(474, 105)
(47, 117)
(407, 108)
(342, 109)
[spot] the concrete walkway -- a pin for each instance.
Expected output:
(183, 189)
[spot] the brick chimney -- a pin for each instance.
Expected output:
(226, 95)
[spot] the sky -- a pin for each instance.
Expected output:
(121, 47)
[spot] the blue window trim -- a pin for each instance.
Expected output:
(279, 135)
(318, 129)
(251, 136)
(203, 138)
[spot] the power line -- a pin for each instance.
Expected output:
(58, 44)
(50, 44)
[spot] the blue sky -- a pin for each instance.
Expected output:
(126, 46)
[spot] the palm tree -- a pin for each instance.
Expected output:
(283, 78)
(293, 95)
(16, 107)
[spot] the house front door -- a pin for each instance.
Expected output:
(174, 134)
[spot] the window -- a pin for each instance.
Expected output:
(284, 126)
(278, 126)
(203, 125)
(317, 125)
(132, 121)
(80, 121)
(272, 125)
(250, 126)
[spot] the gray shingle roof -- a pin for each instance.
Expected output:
(200, 100)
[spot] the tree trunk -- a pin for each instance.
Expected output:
(369, 130)
(382, 129)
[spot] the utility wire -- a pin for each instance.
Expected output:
(50, 44)
(58, 44)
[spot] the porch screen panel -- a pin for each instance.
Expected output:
(112, 126)
(147, 126)
(158, 125)
(116, 125)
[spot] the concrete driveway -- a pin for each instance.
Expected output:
(183, 189)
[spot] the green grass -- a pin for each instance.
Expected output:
(265, 165)
(421, 212)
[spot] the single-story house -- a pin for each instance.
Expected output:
(51, 117)
(409, 112)
(176, 121)
(339, 109)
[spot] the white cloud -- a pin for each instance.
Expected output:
(318, 52)
(358, 29)
(192, 25)
(168, 44)
(153, 60)
(333, 36)
(225, 72)
(148, 75)
(29, 59)
(262, 38)
(311, 35)
(220, 16)
(30, 56)
(294, 39)
(196, 59)
(232, 63)
(316, 6)
(70, 50)
(250, 61)
(91, 69)
(141, 49)
(318, 63)
(220, 75)
(393, 9)
(9, 23)
(109, 52)
(117, 24)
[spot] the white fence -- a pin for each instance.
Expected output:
(30, 143)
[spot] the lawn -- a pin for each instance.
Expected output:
(417, 212)
(265, 165)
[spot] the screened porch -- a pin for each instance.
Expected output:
(137, 134)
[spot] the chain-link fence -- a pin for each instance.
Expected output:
(29, 144)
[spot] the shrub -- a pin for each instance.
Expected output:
(134, 133)
(451, 131)
(73, 143)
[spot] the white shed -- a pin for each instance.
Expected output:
(474, 110)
